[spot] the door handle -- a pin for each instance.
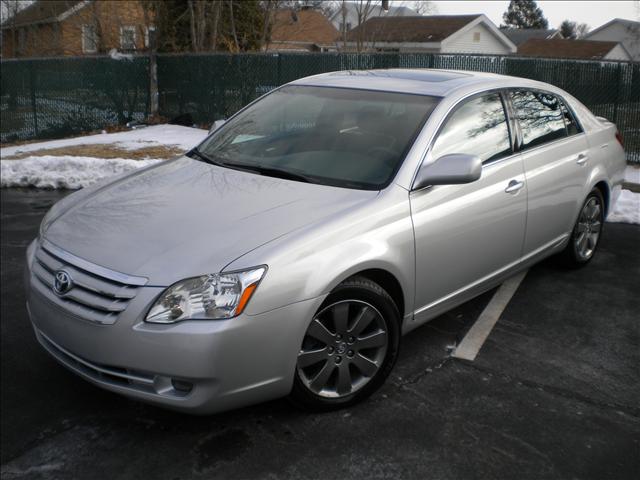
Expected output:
(514, 186)
(582, 159)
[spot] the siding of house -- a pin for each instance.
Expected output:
(465, 43)
(65, 37)
(619, 32)
(617, 53)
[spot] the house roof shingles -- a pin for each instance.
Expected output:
(562, 48)
(521, 35)
(40, 11)
(417, 29)
(304, 26)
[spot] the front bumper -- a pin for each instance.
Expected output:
(226, 363)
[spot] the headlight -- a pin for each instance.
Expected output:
(209, 297)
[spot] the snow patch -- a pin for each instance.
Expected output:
(632, 174)
(64, 172)
(73, 172)
(626, 209)
(168, 135)
(116, 55)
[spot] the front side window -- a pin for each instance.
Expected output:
(334, 136)
(478, 127)
(128, 38)
(540, 116)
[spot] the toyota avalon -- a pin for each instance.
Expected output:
(289, 252)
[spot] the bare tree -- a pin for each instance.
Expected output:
(582, 29)
(424, 7)
(270, 7)
(8, 11)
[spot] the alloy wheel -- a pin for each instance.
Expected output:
(343, 349)
(588, 228)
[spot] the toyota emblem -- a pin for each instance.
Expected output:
(62, 282)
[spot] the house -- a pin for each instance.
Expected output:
(434, 34)
(626, 32)
(75, 27)
(521, 35)
(351, 14)
(564, 48)
(305, 30)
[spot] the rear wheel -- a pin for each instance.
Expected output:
(349, 348)
(586, 232)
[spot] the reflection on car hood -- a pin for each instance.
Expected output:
(185, 218)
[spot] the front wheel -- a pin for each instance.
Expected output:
(349, 348)
(586, 232)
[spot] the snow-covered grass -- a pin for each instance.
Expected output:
(626, 209)
(170, 135)
(67, 172)
(71, 171)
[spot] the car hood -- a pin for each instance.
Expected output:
(185, 218)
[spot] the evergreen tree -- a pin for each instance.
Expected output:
(524, 14)
(568, 29)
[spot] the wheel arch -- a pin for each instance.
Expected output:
(383, 277)
(604, 189)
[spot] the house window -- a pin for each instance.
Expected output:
(128, 37)
(149, 33)
(476, 37)
(22, 40)
(89, 39)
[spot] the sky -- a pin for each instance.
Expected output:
(593, 13)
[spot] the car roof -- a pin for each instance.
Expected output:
(425, 81)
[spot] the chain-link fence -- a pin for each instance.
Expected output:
(49, 98)
(55, 97)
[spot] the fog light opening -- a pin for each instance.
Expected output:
(181, 386)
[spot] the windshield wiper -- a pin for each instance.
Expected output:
(267, 171)
(197, 153)
(271, 172)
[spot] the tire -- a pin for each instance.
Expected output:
(586, 233)
(361, 329)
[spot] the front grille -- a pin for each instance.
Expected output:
(97, 294)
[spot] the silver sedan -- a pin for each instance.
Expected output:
(289, 252)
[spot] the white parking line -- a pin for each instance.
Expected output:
(476, 336)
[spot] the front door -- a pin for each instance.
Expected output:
(467, 234)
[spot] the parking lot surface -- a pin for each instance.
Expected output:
(553, 393)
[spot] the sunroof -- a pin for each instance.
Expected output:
(425, 75)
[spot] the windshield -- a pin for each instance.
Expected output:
(333, 136)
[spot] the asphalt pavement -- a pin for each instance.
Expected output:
(553, 394)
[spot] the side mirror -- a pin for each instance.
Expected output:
(216, 125)
(452, 169)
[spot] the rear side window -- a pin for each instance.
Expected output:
(540, 116)
(573, 127)
(478, 127)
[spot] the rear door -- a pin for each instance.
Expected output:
(467, 234)
(555, 154)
